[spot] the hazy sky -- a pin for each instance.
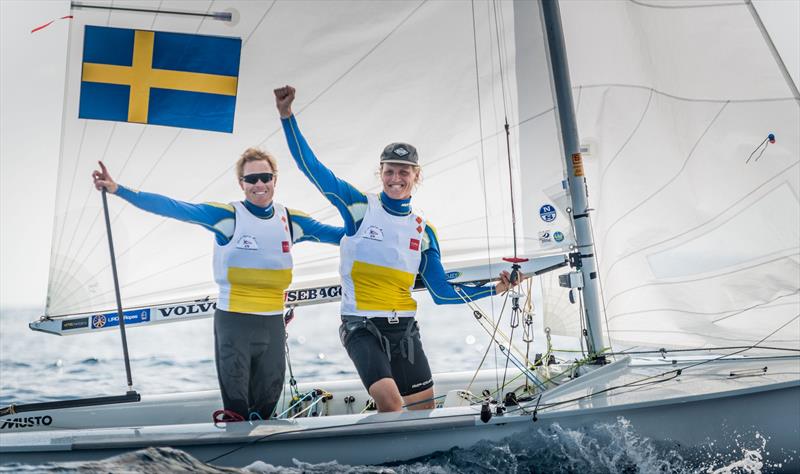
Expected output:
(32, 70)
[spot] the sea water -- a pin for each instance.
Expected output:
(179, 357)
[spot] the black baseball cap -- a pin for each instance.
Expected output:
(401, 153)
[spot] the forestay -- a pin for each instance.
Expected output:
(441, 75)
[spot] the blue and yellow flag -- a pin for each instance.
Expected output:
(153, 77)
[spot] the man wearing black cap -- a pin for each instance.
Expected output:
(386, 245)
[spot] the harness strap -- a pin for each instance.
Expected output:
(383, 340)
(407, 343)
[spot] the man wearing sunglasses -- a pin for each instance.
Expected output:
(253, 268)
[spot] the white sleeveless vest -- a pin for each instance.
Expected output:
(380, 262)
(255, 267)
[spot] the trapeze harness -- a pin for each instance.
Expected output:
(379, 266)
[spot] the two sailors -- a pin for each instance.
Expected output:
(384, 246)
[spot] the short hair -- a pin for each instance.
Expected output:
(255, 154)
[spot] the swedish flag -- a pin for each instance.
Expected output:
(154, 77)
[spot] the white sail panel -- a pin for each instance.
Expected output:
(367, 73)
(559, 314)
(546, 224)
(697, 239)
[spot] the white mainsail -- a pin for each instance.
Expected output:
(438, 74)
(698, 246)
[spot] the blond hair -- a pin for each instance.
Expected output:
(255, 154)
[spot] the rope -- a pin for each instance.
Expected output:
(477, 311)
(292, 382)
(321, 395)
(297, 401)
(226, 416)
(761, 146)
(424, 401)
(508, 352)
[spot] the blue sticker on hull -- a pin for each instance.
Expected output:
(108, 320)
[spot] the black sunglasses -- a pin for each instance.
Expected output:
(255, 177)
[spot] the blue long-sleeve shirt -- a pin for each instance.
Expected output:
(220, 218)
(352, 205)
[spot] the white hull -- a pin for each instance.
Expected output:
(197, 407)
(704, 405)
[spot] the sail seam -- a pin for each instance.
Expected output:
(83, 212)
(734, 312)
(95, 220)
(628, 140)
(701, 225)
(704, 335)
(641, 3)
(706, 278)
(683, 98)
(668, 182)
(261, 20)
(57, 247)
(125, 206)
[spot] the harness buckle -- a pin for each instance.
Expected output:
(393, 319)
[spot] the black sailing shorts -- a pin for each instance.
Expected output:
(381, 349)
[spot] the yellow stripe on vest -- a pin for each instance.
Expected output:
(381, 288)
(255, 290)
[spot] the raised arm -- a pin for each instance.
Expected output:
(216, 217)
(349, 201)
(435, 279)
(307, 229)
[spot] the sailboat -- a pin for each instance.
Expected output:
(689, 143)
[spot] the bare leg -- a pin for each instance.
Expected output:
(427, 395)
(386, 395)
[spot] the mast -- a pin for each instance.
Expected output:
(586, 261)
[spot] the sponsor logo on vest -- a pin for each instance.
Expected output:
(414, 244)
(26, 422)
(187, 309)
(247, 242)
(373, 233)
(312, 294)
(285, 245)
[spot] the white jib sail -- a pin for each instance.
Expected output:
(697, 230)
